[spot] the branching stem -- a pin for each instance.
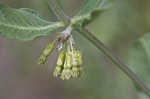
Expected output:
(114, 58)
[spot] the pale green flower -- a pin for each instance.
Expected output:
(77, 63)
(77, 58)
(46, 52)
(61, 58)
(68, 60)
(60, 64)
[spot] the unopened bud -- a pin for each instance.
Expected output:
(60, 63)
(77, 63)
(68, 60)
(61, 58)
(76, 58)
(46, 52)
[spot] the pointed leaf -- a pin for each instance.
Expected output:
(24, 24)
(89, 7)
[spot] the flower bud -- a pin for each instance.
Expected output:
(76, 58)
(61, 58)
(66, 73)
(60, 63)
(46, 52)
(77, 63)
(68, 60)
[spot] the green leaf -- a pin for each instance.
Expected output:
(89, 7)
(25, 24)
(139, 58)
(31, 11)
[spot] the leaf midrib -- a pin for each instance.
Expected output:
(59, 24)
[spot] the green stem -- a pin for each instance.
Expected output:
(59, 13)
(88, 35)
(114, 59)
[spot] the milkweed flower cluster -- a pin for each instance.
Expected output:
(69, 63)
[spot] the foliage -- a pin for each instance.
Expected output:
(27, 24)
(89, 7)
(24, 24)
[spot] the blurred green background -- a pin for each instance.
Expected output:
(118, 27)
